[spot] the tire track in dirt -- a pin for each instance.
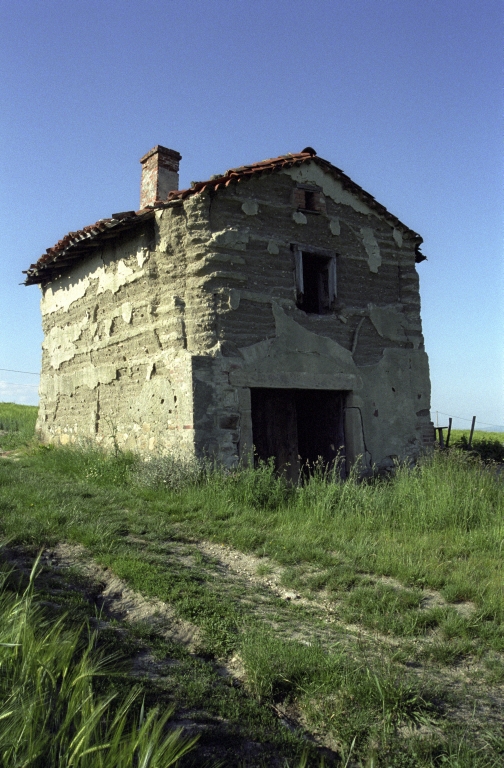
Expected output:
(473, 701)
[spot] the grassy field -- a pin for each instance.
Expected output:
(479, 435)
(359, 623)
(17, 424)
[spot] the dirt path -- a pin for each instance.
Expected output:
(256, 584)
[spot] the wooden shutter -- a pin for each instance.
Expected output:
(298, 259)
(331, 268)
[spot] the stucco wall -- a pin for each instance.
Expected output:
(115, 362)
(155, 342)
(248, 270)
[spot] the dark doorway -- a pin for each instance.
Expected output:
(298, 428)
(315, 282)
(315, 299)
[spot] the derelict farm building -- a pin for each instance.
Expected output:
(275, 306)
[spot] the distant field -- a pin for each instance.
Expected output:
(479, 434)
(17, 424)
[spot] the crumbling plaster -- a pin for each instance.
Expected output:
(395, 401)
(72, 288)
(114, 363)
(311, 173)
(155, 344)
(298, 359)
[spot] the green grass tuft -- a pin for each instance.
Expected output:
(355, 701)
(50, 714)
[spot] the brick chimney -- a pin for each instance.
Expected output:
(159, 175)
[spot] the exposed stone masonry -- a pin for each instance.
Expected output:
(154, 341)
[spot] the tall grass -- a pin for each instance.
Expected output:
(49, 713)
(439, 525)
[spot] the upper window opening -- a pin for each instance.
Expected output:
(315, 281)
(309, 198)
(312, 200)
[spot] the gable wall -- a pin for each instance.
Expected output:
(240, 265)
(257, 247)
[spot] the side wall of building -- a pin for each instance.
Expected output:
(115, 367)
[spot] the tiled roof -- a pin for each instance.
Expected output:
(245, 172)
(84, 240)
(73, 245)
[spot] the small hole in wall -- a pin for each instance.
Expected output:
(162, 401)
(393, 389)
(175, 399)
(169, 411)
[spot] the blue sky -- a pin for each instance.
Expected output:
(406, 96)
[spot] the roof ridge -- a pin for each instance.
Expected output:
(129, 219)
(241, 171)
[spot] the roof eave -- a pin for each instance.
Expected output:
(83, 241)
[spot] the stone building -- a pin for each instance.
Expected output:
(276, 306)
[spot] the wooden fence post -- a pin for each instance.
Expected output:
(472, 431)
(449, 432)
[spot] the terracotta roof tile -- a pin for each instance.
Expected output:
(243, 172)
(75, 243)
(308, 154)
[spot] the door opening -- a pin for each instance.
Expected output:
(298, 428)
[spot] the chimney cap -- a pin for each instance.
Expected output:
(172, 153)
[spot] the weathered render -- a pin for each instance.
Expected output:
(275, 306)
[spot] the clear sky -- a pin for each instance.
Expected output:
(406, 96)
